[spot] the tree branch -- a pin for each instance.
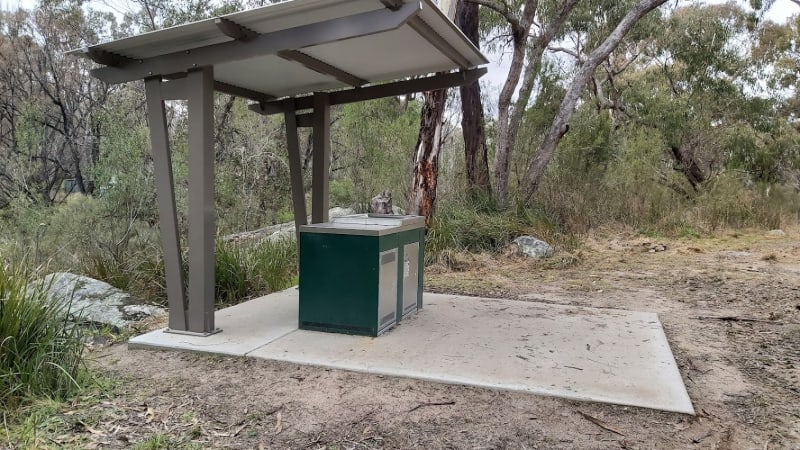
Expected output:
(560, 126)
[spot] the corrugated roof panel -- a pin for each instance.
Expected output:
(434, 18)
(274, 76)
(297, 13)
(380, 57)
(168, 40)
(399, 50)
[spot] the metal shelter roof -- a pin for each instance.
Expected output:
(296, 47)
(272, 55)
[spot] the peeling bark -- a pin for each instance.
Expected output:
(426, 161)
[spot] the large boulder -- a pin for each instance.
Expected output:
(282, 230)
(96, 301)
(532, 247)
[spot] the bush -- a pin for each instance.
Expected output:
(244, 272)
(474, 225)
(274, 264)
(41, 355)
(232, 280)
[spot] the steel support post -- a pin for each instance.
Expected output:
(168, 217)
(322, 158)
(295, 170)
(200, 90)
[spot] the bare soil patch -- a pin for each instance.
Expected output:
(730, 306)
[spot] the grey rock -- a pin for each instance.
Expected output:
(96, 301)
(280, 235)
(532, 247)
(282, 230)
(339, 212)
(776, 233)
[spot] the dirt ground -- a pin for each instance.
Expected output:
(730, 306)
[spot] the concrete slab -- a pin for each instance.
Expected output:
(245, 327)
(601, 355)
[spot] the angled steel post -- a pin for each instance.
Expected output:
(295, 169)
(322, 158)
(200, 90)
(168, 217)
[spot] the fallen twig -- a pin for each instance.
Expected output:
(743, 319)
(451, 402)
(600, 423)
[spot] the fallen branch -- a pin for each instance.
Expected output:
(432, 404)
(743, 319)
(600, 423)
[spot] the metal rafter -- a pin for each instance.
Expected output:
(430, 35)
(332, 30)
(441, 44)
(234, 30)
(238, 91)
(322, 67)
(430, 83)
(106, 58)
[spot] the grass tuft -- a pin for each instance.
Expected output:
(41, 355)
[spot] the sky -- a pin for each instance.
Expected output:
(498, 68)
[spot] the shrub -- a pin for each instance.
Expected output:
(274, 264)
(473, 225)
(246, 271)
(232, 280)
(41, 355)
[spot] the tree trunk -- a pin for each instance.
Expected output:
(560, 124)
(426, 161)
(687, 164)
(509, 114)
(476, 157)
(426, 157)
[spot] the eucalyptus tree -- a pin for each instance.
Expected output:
(560, 124)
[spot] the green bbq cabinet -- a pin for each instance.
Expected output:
(361, 274)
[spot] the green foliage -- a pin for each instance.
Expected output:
(41, 355)
(230, 274)
(375, 148)
(637, 187)
(245, 271)
(343, 192)
(275, 264)
(472, 225)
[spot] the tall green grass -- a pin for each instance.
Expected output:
(476, 224)
(41, 355)
(245, 271)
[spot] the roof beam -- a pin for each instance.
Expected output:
(234, 30)
(430, 35)
(441, 44)
(439, 81)
(333, 30)
(106, 58)
(394, 5)
(322, 67)
(237, 91)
